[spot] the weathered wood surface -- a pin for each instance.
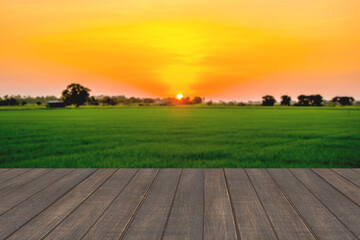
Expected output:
(179, 204)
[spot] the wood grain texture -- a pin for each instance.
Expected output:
(80, 220)
(187, 210)
(342, 207)
(322, 222)
(356, 170)
(287, 223)
(150, 220)
(341, 184)
(349, 174)
(114, 221)
(24, 192)
(179, 204)
(43, 223)
(218, 218)
(20, 180)
(250, 215)
(22, 213)
(12, 173)
(4, 170)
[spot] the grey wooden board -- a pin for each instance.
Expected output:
(349, 174)
(357, 170)
(187, 210)
(82, 218)
(341, 184)
(4, 170)
(22, 213)
(322, 222)
(179, 204)
(116, 218)
(24, 192)
(43, 223)
(287, 223)
(249, 213)
(20, 180)
(218, 217)
(342, 207)
(150, 220)
(12, 173)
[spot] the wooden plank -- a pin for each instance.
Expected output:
(251, 218)
(349, 174)
(218, 217)
(20, 180)
(22, 193)
(287, 223)
(12, 173)
(343, 208)
(187, 210)
(150, 220)
(356, 170)
(42, 224)
(83, 217)
(322, 222)
(4, 170)
(114, 221)
(22, 213)
(341, 184)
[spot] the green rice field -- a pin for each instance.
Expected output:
(168, 137)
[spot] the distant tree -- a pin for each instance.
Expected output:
(38, 103)
(316, 100)
(93, 101)
(197, 100)
(9, 101)
(303, 100)
(310, 100)
(75, 94)
(209, 103)
(107, 100)
(184, 100)
(285, 100)
(344, 101)
(268, 100)
(148, 100)
(23, 103)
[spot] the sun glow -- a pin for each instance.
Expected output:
(221, 49)
(179, 96)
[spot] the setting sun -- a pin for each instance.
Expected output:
(179, 96)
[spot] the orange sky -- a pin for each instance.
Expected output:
(220, 49)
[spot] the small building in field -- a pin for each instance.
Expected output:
(55, 104)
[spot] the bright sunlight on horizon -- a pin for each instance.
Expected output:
(225, 49)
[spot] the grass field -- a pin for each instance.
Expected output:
(180, 137)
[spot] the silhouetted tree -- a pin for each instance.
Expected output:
(268, 100)
(310, 100)
(93, 101)
(344, 101)
(75, 94)
(197, 100)
(303, 100)
(285, 100)
(23, 103)
(316, 100)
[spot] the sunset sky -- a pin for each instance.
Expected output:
(219, 49)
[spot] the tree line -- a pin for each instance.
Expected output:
(17, 100)
(77, 95)
(307, 100)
